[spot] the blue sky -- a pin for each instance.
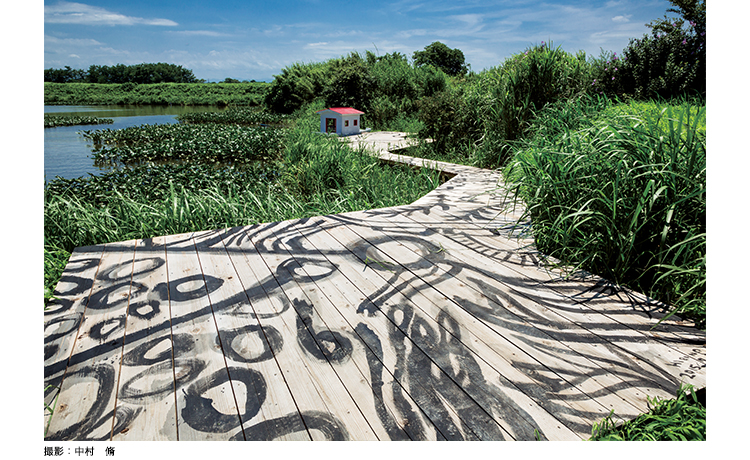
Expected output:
(256, 39)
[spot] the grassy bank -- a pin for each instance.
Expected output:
(155, 94)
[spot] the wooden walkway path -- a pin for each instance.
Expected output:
(421, 322)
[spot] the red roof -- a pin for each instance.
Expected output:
(343, 111)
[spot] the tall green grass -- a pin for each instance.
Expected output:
(621, 192)
(680, 419)
(477, 121)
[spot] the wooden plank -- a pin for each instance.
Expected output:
(345, 397)
(323, 316)
(267, 408)
(85, 408)
(323, 403)
(146, 386)
(567, 364)
(460, 350)
(206, 409)
(394, 304)
(544, 308)
(411, 420)
(62, 318)
(670, 347)
(482, 342)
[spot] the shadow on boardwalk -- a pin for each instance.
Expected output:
(422, 322)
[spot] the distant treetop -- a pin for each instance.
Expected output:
(437, 54)
(120, 73)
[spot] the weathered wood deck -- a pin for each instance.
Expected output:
(421, 322)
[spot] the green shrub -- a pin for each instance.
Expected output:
(607, 75)
(527, 82)
(450, 120)
(671, 61)
(351, 83)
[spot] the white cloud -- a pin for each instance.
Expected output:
(204, 33)
(78, 13)
(50, 40)
(625, 18)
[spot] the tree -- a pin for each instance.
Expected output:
(437, 54)
(351, 83)
(297, 85)
(672, 59)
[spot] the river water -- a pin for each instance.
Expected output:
(68, 154)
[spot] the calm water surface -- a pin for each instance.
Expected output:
(68, 154)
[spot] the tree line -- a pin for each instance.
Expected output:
(139, 74)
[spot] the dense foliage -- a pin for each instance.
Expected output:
(672, 60)
(387, 88)
(120, 73)
(246, 116)
(620, 191)
(204, 143)
(219, 94)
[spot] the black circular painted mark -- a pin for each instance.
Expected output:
(124, 416)
(69, 325)
(116, 296)
(130, 269)
(81, 265)
(107, 328)
(70, 285)
(323, 345)
(268, 430)
(205, 284)
(104, 374)
(158, 381)
(146, 265)
(145, 309)
(239, 352)
(50, 350)
(57, 305)
(309, 265)
(180, 344)
(200, 414)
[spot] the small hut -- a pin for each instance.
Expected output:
(343, 121)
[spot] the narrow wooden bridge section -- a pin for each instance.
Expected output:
(429, 321)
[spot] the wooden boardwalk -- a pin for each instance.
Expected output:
(429, 321)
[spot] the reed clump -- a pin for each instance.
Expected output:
(680, 419)
(620, 190)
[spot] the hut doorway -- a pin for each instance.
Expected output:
(331, 125)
